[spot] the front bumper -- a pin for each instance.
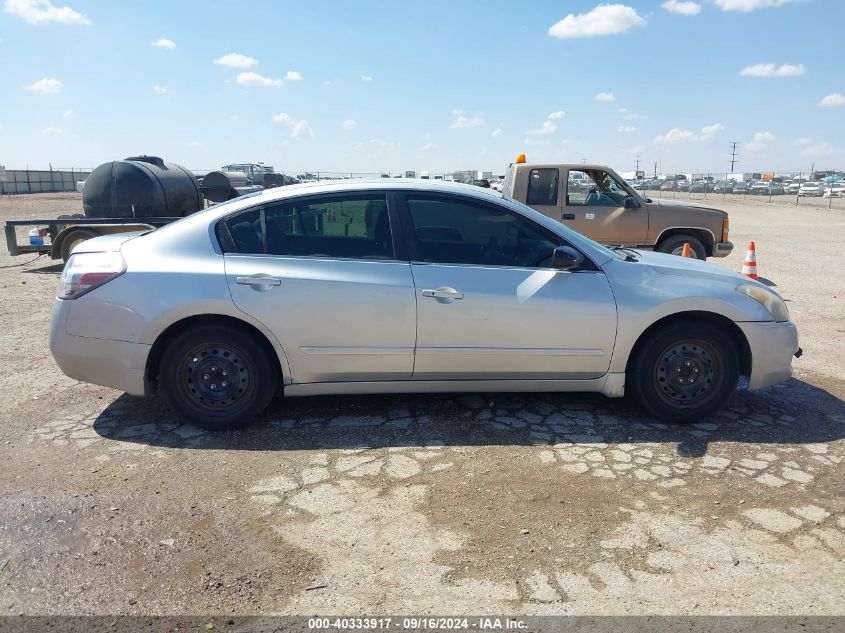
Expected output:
(773, 345)
(117, 364)
(723, 249)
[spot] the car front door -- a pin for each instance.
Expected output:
(595, 206)
(322, 274)
(489, 305)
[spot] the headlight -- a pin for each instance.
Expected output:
(767, 299)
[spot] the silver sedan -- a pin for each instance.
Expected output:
(404, 286)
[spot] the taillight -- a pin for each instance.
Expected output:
(726, 229)
(85, 271)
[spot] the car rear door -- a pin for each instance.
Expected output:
(489, 304)
(323, 274)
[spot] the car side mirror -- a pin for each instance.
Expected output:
(631, 203)
(566, 258)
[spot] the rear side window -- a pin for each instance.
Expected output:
(542, 187)
(356, 227)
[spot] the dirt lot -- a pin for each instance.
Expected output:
(431, 504)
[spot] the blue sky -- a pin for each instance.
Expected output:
(375, 86)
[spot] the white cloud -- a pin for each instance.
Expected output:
(626, 128)
(45, 86)
(557, 115)
(749, 5)
(832, 101)
(803, 140)
(260, 81)
(817, 151)
(684, 8)
(298, 129)
(163, 43)
(41, 11)
(301, 129)
(497, 132)
(67, 114)
(760, 140)
(236, 60)
(51, 131)
(465, 122)
(549, 127)
(327, 83)
(677, 135)
(605, 19)
(160, 90)
(234, 117)
(674, 136)
(349, 124)
(366, 78)
(710, 131)
(628, 116)
(771, 70)
(428, 147)
(293, 75)
(605, 96)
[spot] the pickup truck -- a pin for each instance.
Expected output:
(596, 201)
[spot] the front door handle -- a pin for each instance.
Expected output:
(259, 281)
(443, 292)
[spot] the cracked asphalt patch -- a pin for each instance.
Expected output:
(473, 503)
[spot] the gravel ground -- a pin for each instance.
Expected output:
(547, 504)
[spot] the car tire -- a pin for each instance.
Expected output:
(674, 245)
(217, 377)
(684, 372)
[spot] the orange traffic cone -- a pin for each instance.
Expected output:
(687, 252)
(749, 268)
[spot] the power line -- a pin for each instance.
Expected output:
(733, 145)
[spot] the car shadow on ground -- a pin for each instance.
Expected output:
(50, 269)
(795, 412)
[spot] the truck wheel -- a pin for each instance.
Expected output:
(73, 238)
(217, 377)
(674, 245)
(684, 372)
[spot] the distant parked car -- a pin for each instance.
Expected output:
(723, 186)
(669, 185)
(740, 187)
(810, 189)
(683, 185)
(835, 190)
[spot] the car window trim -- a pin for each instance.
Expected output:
(413, 248)
(398, 243)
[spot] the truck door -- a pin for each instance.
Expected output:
(544, 192)
(594, 204)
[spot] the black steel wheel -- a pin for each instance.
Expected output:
(217, 377)
(684, 372)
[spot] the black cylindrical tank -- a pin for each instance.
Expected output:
(220, 186)
(141, 187)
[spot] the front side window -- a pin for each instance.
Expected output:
(356, 227)
(458, 231)
(594, 187)
(542, 186)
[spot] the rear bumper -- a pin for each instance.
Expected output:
(117, 364)
(773, 346)
(723, 249)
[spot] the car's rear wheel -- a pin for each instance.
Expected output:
(217, 377)
(684, 372)
(674, 245)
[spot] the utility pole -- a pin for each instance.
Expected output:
(637, 168)
(733, 145)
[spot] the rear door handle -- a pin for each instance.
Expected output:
(443, 292)
(260, 281)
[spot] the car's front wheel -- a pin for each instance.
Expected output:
(217, 377)
(684, 372)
